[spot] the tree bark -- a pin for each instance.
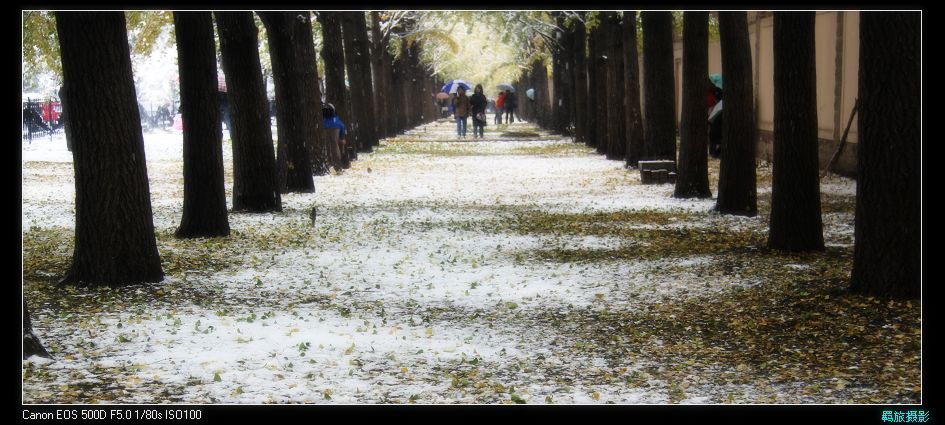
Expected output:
(561, 71)
(660, 122)
(594, 120)
(887, 253)
(617, 136)
(204, 195)
(335, 91)
(358, 58)
(601, 61)
(795, 190)
(65, 116)
(293, 162)
(255, 180)
(692, 176)
(357, 64)
(737, 181)
(380, 71)
(317, 140)
(114, 231)
(634, 115)
(579, 55)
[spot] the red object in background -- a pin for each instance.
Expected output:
(711, 98)
(51, 112)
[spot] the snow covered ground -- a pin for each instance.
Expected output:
(396, 294)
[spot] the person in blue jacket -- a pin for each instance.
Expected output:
(331, 120)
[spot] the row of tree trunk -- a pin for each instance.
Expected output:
(114, 236)
(115, 241)
(597, 101)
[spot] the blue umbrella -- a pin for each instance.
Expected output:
(716, 80)
(452, 85)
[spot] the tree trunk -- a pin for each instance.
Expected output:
(395, 105)
(378, 69)
(887, 253)
(319, 144)
(335, 91)
(65, 116)
(579, 39)
(634, 116)
(293, 161)
(255, 180)
(561, 105)
(594, 121)
(795, 189)
(32, 346)
(406, 97)
(601, 89)
(114, 231)
(617, 140)
(354, 28)
(737, 190)
(692, 176)
(415, 86)
(204, 196)
(659, 137)
(540, 82)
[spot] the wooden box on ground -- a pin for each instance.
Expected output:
(657, 172)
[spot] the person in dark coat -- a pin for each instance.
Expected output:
(478, 102)
(511, 102)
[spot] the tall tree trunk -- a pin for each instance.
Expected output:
(65, 115)
(357, 64)
(579, 55)
(617, 140)
(255, 180)
(32, 346)
(795, 189)
(692, 178)
(379, 70)
(540, 81)
(317, 140)
(293, 160)
(887, 253)
(659, 137)
(634, 115)
(335, 91)
(737, 182)
(600, 83)
(526, 109)
(354, 28)
(561, 103)
(204, 196)
(594, 121)
(395, 106)
(114, 230)
(415, 86)
(405, 85)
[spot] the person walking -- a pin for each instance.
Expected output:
(461, 109)
(510, 103)
(478, 102)
(499, 104)
(339, 136)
